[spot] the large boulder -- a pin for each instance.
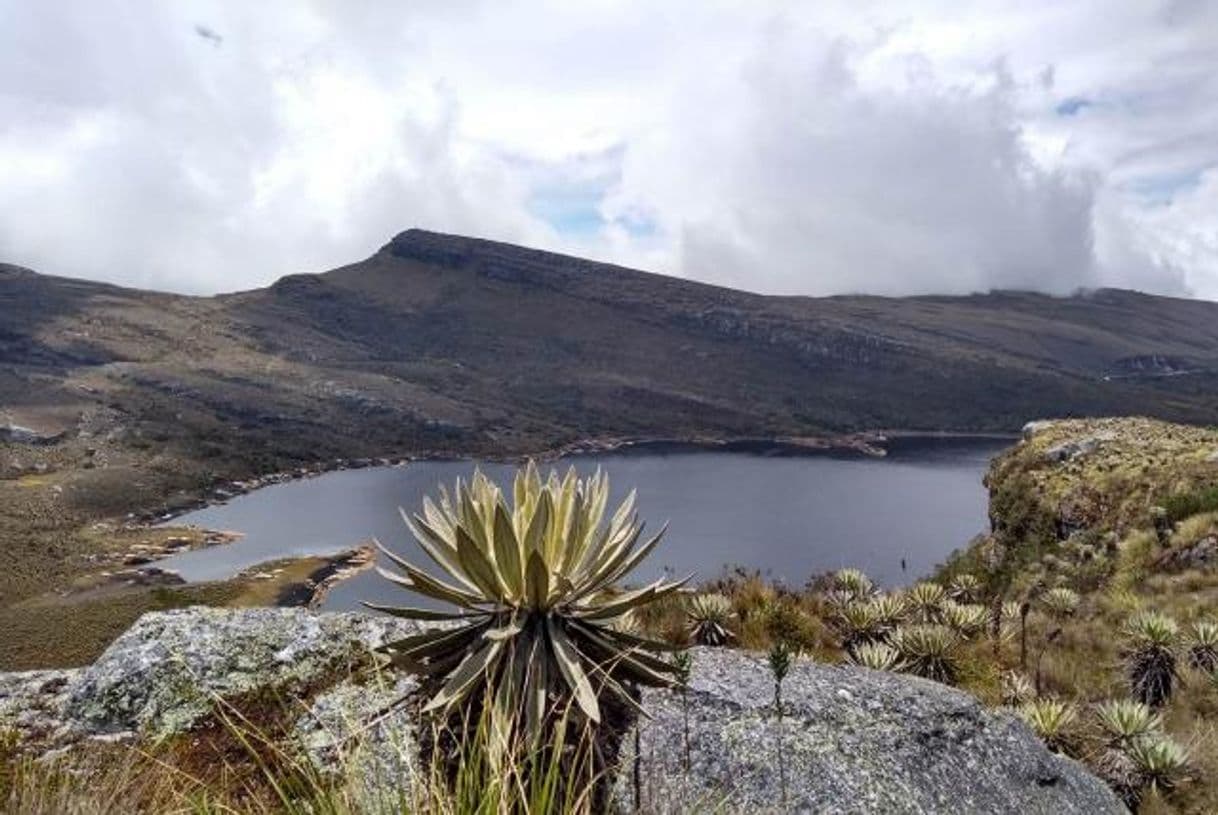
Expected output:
(169, 668)
(854, 741)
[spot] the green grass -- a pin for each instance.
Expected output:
(1185, 505)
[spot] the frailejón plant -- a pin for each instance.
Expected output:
(1151, 656)
(709, 615)
(534, 583)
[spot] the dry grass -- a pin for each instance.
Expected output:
(244, 759)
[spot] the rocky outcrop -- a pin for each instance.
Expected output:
(854, 740)
(32, 705)
(1203, 554)
(1075, 448)
(169, 669)
(24, 435)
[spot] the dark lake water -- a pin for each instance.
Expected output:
(788, 516)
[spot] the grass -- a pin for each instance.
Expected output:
(1185, 505)
(80, 630)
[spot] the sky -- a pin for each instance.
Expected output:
(795, 148)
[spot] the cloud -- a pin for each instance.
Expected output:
(783, 147)
(804, 180)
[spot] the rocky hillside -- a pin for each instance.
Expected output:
(444, 342)
(1108, 530)
(856, 741)
(1100, 482)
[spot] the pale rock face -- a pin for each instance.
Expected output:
(1032, 428)
(32, 703)
(170, 667)
(1077, 448)
(855, 741)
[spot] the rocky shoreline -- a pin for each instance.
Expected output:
(870, 444)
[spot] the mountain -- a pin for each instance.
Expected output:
(440, 342)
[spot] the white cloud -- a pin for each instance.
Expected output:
(791, 147)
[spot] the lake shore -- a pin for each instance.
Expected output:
(85, 506)
(871, 444)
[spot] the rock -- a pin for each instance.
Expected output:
(1076, 448)
(32, 704)
(1032, 428)
(166, 670)
(24, 435)
(365, 732)
(1203, 554)
(856, 741)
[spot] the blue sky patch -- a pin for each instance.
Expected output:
(1161, 189)
(572, 208)
(637, 225)
(1073, 105)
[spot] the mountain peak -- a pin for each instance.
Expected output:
(9, 271)
(490, 256)
(430, 247)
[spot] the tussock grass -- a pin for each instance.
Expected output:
(261, 771)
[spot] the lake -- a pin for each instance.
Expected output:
(789, 516)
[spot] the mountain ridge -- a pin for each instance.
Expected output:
(448, 342)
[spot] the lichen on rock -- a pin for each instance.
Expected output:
(170, 668)
(855, 741)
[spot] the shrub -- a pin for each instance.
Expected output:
(854, 582)
(1186, 504)
(780, 658)
(967, 620)
(838, 599)
(926, 601)
(1060, 603)
(964, 588)
(860, 623)
(1124, 721)
(1203, 647)
(877, 656)
(1161, 762)
(787, 622)
(890, 610)
(1016, 689)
